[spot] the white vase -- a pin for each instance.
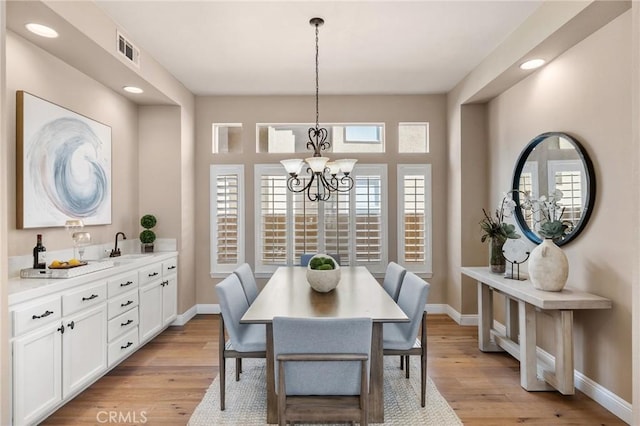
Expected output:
(548, 266)
(323, 281)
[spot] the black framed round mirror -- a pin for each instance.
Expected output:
(554, 161)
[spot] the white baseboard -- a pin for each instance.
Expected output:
(603, 396)
(210, 308)
(461, 319)
(185, 317)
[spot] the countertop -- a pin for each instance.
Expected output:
(25, 289)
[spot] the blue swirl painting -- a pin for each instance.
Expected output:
(66, 166)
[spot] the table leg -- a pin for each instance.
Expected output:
(376, 397)
(485, 322)
(272, 401)
(528, 357)
(562, 379)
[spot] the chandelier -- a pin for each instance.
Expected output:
(325, 177)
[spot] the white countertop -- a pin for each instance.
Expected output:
(25, 289)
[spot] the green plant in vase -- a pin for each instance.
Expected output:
(498, 232)
(147, 237)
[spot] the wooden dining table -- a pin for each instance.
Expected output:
(288, 294)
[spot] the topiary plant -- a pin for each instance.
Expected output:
(322, 263)
(147, 237)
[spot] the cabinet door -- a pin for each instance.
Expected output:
(150, 306)
(37, 373)
(169, 300)
(84, 348)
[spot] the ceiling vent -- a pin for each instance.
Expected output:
(128, 50)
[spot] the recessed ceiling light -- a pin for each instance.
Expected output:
(133, 89)
(41, 30)
(532, 64)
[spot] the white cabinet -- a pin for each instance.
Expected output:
(61, 357)
(65, 339)
(158, 297)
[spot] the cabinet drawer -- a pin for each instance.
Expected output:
(150, 274)
(29, 316)
(122, 324)
(122, 283)
(122, 303)
(169, 267)
(123, 346)
(84, 297)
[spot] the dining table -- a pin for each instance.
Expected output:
(358, 294)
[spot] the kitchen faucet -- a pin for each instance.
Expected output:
(116, 251)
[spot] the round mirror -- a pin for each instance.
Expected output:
(550, 162)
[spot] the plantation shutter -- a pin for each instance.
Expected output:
(227, 218)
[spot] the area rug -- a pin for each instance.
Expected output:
(246, 399)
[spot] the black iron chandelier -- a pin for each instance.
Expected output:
(325, 177)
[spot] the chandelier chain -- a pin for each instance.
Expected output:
(317, 82)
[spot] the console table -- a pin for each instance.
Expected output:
(522, 302)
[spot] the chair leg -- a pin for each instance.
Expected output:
(423, 378)
(222, 381)
(401, 362)
(238, 368)
(406, 361)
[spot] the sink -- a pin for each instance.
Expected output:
(129, 258)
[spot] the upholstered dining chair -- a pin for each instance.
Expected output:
(245, 340)
(248, 281)
(393, 280)
(322, 368)
(400, 338)
(306, 257)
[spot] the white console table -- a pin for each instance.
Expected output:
(522, 301)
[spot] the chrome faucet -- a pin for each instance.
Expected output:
(116, 251)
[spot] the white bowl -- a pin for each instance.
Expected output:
(323, 281)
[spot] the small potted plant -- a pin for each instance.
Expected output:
(497, 231)
(323, 273)
(147, 237)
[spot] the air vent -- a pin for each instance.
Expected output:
(128, 50)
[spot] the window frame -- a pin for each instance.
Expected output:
(424, 170)
(221, 270)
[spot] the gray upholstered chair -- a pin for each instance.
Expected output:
(322, 368)
(248, 281)
(245, 340)
(400, 338)
(393, 280)
(306, 257)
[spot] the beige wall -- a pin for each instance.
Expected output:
(31, 69)
(585, 92)
(250, 110)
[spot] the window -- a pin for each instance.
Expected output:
(227, 218)
(413, 137)
(414, 217)
(288, 224)
(568, 176)
(344, 138)
(227, 138)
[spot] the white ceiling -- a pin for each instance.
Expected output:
(366, 47)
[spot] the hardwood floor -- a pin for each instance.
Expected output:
(163, 382)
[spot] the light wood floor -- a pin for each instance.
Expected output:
(163, 382)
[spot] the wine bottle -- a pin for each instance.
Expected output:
(39, 255)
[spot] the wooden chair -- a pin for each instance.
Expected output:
(393, 277)
(245, 340)
(248, 281)
(322, 368)
(400, 338)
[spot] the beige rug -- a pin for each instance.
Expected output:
(246, 399)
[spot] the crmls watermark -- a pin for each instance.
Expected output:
(122, 417)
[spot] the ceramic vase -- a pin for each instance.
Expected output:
(323, 281)
(548, 266)
(497, 262)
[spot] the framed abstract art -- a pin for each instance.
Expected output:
(63, 165)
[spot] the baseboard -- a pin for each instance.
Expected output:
(461, 319)
(603, 396)
(185, 317)
(209, 308)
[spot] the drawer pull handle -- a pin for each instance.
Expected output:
(124, 324)
(164, 283)
(71, 325)
(122, 305)
(126, 284)
(46, 314)
(172, 267)
(93, 296)
(127, 345)
(61, 329)
(153, 274)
